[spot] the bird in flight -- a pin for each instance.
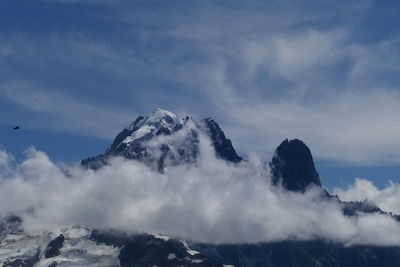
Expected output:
(16, 128)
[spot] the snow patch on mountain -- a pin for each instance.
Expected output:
(139, 133)
(188, 250)
(162, 237)
(165, 117)
(76, 250)
(171, 256)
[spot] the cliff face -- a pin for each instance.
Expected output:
(293, 166)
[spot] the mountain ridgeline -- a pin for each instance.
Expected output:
(163, 139)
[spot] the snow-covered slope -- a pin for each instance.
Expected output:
(63, 247)
(163, 139)
(81, 246)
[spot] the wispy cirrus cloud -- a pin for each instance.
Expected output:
(320, 86)
(265, 70)
(62, 111)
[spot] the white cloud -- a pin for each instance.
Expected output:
(266, 71)
(55, 110)
(279, 78)
(387, 199)
(6, 160)
(321, 94)
(304, 54)
(374, 65)
(355, 127)
(211, 201)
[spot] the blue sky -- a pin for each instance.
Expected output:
(73, 73)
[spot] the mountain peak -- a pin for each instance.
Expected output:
(293, 166)
(133, 142)
(159, 117)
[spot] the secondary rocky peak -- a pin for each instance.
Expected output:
(293, 166)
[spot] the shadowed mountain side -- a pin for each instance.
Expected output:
(222, 145)
(145, 250)
(293, 166)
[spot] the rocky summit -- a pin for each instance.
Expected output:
(293, 166)
(163, 139)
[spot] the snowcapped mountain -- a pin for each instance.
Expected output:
(64, 247)
(81, 246)
(163, 139)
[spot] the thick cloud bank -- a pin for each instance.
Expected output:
(211, 201)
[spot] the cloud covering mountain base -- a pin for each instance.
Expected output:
(211, 201)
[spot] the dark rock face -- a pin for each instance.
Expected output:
(223, 146)
(147, 250)
(316, 253)
(53, 248)
(352, 208)
(293, 166)
(94, 162)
